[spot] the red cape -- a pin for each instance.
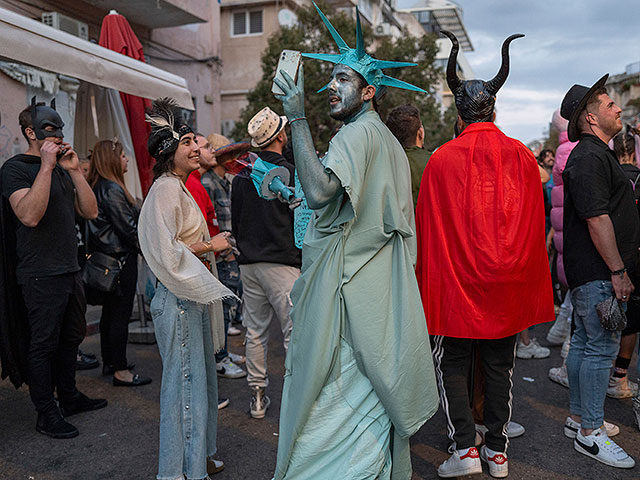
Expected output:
(482, 264)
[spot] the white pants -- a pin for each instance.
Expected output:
(266, 297)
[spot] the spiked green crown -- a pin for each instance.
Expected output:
(359, 60)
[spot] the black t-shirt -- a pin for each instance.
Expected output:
(51, 247)
(594, 185)
(263, 229)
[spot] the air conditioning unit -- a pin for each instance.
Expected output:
(66, 24)
(382, 30)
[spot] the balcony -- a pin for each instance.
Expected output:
(158, 13)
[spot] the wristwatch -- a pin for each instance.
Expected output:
(620, 272)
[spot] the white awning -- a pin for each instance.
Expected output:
(34, 43)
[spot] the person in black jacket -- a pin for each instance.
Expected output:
(269, 260)
(115, 233)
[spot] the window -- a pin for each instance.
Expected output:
(246, 23)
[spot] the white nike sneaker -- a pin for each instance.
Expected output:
(571, 428)
(461, 462)
(600, 447)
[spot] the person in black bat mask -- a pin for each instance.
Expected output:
(41, 292)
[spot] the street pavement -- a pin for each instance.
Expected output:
(121, 441)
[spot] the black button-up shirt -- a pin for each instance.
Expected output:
(594, 185)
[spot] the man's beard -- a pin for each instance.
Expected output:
(347, 111)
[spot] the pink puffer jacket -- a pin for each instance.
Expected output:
(557, 199)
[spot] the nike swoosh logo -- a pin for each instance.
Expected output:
(592, 449)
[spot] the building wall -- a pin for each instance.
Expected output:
(201, 41)
(11, 139)
(241, 57)
(196, 41)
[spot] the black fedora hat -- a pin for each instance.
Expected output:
(574, 102)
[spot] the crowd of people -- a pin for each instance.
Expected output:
(420, 279)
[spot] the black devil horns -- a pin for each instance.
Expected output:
(493, 85)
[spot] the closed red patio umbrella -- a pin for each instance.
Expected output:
(116, 34)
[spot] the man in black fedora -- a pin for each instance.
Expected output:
(601, 238)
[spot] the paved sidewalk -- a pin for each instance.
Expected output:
(120, 442)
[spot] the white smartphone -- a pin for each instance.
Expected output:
(289, 62)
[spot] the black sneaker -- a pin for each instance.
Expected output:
(86, 361)
(82, 403)
(53, 425)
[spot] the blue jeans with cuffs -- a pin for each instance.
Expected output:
(189, 391)
(591, 355)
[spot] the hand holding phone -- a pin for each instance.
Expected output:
(289, 62)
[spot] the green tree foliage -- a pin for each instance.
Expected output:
(310, 35)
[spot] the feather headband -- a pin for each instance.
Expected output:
(167, 127)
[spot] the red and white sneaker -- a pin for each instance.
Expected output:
(497, 461)
(461, 462)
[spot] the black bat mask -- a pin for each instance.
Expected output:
(476, 99)
(42, 117)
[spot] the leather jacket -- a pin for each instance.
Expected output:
(115, 230)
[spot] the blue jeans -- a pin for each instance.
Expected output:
(229, 276)
(591, 356)
(189, 391)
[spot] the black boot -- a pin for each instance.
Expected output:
(53, 425)
(81, 403)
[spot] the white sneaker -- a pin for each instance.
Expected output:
(233, 331)
(259, 403)
(533, 350)
(237, 359)
(497, 461)
(621, 387)
(461, 462)
(222, 403)
(600, 447)
(214, 466)
(513, 430)
(636, 409)
(559, 375)
(227, 369)
(558, 332)
(571, 428)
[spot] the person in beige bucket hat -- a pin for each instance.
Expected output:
(265, 126)
(269, 260)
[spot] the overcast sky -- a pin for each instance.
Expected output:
(567, 42)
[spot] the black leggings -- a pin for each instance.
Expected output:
(116, 311)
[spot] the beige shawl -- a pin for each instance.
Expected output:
(171, 220)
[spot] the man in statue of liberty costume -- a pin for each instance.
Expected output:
(359, 376)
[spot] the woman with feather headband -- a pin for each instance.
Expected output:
(187, 305)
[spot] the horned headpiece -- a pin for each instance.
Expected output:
(359, 60)
(475, 99)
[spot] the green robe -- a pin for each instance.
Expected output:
(358, 284)
(418, 158)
